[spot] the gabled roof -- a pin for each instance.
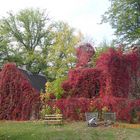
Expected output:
(37, 80)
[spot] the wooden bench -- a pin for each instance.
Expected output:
(54, 119)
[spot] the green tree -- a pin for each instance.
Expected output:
(3, 50)
(61, 55)
(124, 17)
(8, 53)
(31, 39)
(27, 33)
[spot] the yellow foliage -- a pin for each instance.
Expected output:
(48, 86)
(44, 97)
(105, 109)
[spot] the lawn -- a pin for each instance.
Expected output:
(70, 131)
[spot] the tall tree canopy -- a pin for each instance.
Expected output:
(26, 33)
(27, 28)
(30, 38)
(62, 55)
(124, 17)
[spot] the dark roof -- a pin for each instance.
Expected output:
(37, 80)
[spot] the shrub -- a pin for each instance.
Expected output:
(54, 88)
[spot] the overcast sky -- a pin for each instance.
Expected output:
(84, 15)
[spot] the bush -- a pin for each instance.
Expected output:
(54, 88)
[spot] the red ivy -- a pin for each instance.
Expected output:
(18, 100)
(82, 83)
(113, 83)
(84, 54)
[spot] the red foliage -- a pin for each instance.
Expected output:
(119, 71)
(84, 54)
(122, 106)
(115, 67)
(113, 83)
(73, 108)
(82, 83)
(120, 82)
(18, 100)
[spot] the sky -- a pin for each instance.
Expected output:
(84, 15)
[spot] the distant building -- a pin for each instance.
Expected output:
(37, 80)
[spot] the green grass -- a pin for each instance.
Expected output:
(72, 131)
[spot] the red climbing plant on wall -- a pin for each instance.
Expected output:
(82, 83)
(18, 100)
(84, 53)
(114, 82)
